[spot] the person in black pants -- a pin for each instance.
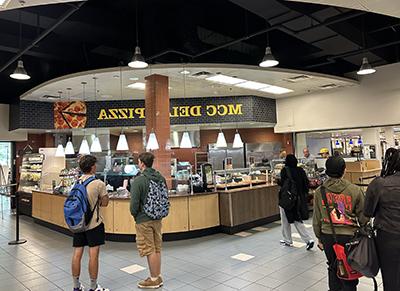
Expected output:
(383, 202)
(346, 205)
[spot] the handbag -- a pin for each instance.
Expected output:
(344, 270)
(362, 254)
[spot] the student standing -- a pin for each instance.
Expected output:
(148, 231)
(346, 202)
(299, 212)
(95, 235)
(383, 202)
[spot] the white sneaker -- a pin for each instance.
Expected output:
(81, 288)
(99, 288)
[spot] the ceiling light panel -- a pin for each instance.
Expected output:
(226, 80)
(137, 86)
(252, 85)
(276, 90)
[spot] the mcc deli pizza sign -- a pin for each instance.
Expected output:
(74, 114)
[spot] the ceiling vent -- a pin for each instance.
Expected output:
(201, 75)
(328, 86)
(297, 79)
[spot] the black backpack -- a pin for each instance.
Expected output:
(288, 193)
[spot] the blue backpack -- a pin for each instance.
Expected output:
(157, 204)
(77, 210)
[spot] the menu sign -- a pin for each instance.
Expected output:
(70, 115)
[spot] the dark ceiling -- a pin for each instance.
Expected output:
(101, 33)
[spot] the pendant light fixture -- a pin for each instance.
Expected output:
(351, 142)
(268, 60)
(69, 148)
(359, 141)
(60, 153)
(138, 61)
(20, 72)
(152, 143)
(96, 146)
(366, 68)
(84, 148)
(122, 144)
(221, 141)
(186, 143)
(237, 141)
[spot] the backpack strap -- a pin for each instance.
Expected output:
(96, 207)
(328, 211)
(88, 181)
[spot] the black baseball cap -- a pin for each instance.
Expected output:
(335, 167)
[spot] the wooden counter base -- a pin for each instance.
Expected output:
(190, 215)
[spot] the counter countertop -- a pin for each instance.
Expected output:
(128, 198)
(246, 188)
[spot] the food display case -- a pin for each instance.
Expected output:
(243, 177)
(31, 172)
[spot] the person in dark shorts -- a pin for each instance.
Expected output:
(95, 235)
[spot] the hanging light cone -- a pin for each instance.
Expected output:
(268, 60)
(366, 68)
(138, 61)
(221, 141)
(337, 144)
(359, 142)
(186, 143)
(96, 146)
(351, 142)
(237, 141)
(20, 72)
(60, 153)
(152, 143)
(122, 144)
(84, 148)
(69, 148)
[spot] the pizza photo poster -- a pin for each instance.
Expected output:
(70, 115)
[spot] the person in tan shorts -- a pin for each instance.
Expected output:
(148, 231)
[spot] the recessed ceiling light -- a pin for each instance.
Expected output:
(225, 79)
(137, 85)
(116, 76)
(107, 96)
(276, 90)
(133, 78)
(185, 72)
(252, 85)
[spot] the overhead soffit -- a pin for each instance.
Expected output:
(108, 83)
(386, 7)
(13, 4)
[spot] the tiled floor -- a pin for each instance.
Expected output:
(43, 263)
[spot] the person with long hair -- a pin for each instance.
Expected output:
(299, 213)
(383, 203)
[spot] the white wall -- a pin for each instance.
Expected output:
(6, 135)
(375, 102)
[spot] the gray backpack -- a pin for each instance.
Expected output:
(157, 203)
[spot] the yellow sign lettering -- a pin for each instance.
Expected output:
(211, 110)
(222, 110)
(123, 113)
(184, 111)
(235, 109)
(102, 115)
(140, 112)
(195, 111)
(174, 112)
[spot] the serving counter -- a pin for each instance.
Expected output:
(190, 215)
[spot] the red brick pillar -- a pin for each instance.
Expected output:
(157, 119)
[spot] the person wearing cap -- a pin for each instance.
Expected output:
(346, 204)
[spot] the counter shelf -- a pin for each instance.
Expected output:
(242, 177)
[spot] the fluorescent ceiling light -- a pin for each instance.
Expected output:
(4, 3)
(137, 86)
(276, 90)
(252, 85)
(185, 72)
(222, 79)
(133, 78)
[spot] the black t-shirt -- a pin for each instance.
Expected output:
(382, 201)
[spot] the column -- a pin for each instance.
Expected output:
(158, 120)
